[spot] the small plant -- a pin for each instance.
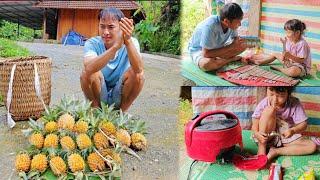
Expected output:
(9, 48)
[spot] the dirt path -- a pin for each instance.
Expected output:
(157, 105)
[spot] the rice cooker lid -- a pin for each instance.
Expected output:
(216, 122)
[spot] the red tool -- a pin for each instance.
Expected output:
(210, 133)
(255, 162)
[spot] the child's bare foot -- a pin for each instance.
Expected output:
(272, 154)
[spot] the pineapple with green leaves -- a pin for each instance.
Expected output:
(138, 140)
(35, 133)
(50, 117)
(66, 108)
(22, 162)
(122, 135)
(107, 115)
(82, 110)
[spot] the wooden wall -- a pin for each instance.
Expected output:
(82, 21)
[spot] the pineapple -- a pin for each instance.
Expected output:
(51, 127)
(66, 121)
(116, 158)
(49, 118)
(139, 142)
(123, 137)
(23, 162)
(95, 162)
(39, 163)
(81, 127)
(58, 166)
(108, 128)
(100, 141)
(37, 140)
(51, 141)
(111, 154)
(83, 141)
(76, 162)
(67, 143)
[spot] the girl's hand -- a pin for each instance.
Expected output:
(126, 25)
(288, 133)
(284, 41)
(261, 137)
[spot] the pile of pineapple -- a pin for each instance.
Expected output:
(74, 140)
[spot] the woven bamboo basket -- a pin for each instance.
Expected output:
(25, 103)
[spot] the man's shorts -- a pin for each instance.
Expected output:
(111, 95)
(303, 68)
(196, 57)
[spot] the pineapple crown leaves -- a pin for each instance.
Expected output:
(51, 114)
(67, 105)
(107, 112)
(137, 126)
(85, 152)
(82, 109)
(23, 175)
(122, 120)
(35, 127)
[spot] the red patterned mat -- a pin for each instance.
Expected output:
(253, 75)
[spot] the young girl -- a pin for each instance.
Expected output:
(277, 123)
(296, 56)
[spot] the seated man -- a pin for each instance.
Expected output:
(113, 70)
(215, 42)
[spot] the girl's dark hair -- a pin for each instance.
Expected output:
(114, 13)
(282, 89)
(295, 25)
(231, 11)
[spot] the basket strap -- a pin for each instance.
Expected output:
(10, 121)
(38, 86)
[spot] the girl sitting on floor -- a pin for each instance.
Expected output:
(277, 123)
(296, 56)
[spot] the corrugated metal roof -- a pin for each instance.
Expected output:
(120, 4)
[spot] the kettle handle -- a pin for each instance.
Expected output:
(202, 116)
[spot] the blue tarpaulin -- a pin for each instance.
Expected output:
(73, 38)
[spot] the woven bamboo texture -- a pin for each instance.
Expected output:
(25, 103)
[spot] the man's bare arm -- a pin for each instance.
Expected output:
(134, 57)
(95, 64)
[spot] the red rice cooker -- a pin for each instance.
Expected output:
(210, 133)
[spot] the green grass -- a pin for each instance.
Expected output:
(185, 114)
(192, 13)
(10, 48)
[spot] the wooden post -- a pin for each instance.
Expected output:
(44, 23)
